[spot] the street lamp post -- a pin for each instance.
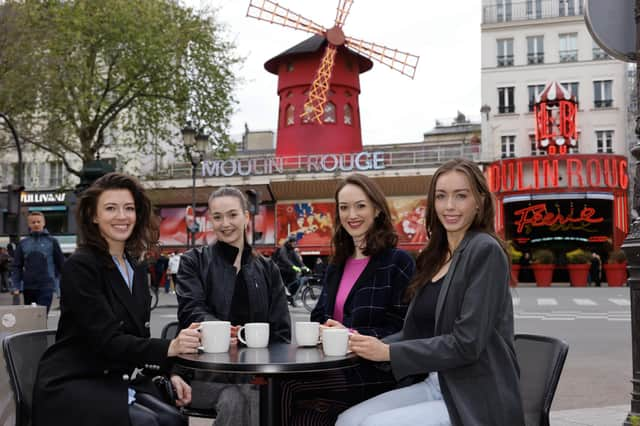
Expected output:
(196, 145)
(20, 175)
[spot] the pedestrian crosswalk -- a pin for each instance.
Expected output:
(572, 308)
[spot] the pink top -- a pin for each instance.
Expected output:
(352, 270)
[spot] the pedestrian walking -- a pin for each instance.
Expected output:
(37, 263)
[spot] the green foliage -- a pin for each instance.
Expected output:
(134, 70)
(635, 420)
(542, 256)
(578, 256)
(617, 256)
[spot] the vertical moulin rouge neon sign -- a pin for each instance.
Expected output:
(555, 112)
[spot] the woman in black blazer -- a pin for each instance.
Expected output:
(457, 340)
(364, 290)
(99, 370)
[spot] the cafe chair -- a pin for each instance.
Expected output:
(170, 331)
(541, 360)
(22, 353)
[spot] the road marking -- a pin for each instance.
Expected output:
(172, 316)
(621, 302)
(547, 301)
(584, 302)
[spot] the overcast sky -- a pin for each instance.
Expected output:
(394, 108)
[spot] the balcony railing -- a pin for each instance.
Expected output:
(505, 61)
(535, 58)
(603, 103)
(569, 55)
(423, 157)
(529, 10)
(506, 109)
(599, 54)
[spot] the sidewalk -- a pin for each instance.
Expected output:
(600, 416)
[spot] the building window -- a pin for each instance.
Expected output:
(573, 87)
(348, 115)
(505, 52)
(604, 141)
(533, 90)
(56, 174)
(535, 50)
(504, 10)
(535, 151)
(598, 53)
(534, 9)
(568, 47)
(290, 115)
(569, 7)
(505, 100)
(602, 94)
(508, 146)
(329, 114)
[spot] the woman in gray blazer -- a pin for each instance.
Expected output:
(457, 340)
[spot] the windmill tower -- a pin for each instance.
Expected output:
(319, 81)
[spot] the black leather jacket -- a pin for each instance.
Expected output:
(205, 284)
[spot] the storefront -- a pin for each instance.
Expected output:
(562, 202)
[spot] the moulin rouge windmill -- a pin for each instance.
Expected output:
(319, 81)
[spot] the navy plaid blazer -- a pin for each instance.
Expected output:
(375, 306)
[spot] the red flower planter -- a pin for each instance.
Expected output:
(578, 274)
(515, 272)
(616, 274)
(543, 274)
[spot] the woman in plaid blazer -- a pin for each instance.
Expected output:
(363, 290)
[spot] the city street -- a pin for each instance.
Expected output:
(594, 321)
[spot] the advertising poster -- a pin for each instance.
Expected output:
(407, 215)
(311, 223)
(173, 226)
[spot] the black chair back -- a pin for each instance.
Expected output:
(22, 353)
(541, 360)
(170, 330)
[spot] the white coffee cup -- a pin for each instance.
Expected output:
(335, 341)
(307, 333)
(256, 334)
(215, 336)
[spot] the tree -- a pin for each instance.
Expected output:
(116, 68)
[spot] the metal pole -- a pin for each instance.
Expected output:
(20, 176)
(631, 248)
(193, 200)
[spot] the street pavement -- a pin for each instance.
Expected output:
(578, 315)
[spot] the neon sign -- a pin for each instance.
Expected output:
(574, 172)
(538, 216)
(555, 113)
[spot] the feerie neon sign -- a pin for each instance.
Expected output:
(538, 216)
(552, 172)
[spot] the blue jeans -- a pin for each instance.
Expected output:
(418, 404)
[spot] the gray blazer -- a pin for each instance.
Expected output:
(472, 348)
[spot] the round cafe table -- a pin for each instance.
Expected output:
(272, 363)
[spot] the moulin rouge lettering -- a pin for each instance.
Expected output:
(538, 216)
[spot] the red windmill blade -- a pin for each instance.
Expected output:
(270, 11)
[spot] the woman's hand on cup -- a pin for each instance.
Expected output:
(368, 347)
(186, 342)
(234, 334)
(183, 390)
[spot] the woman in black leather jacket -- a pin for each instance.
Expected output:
(229, 281)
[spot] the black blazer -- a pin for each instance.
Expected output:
(103, 334)
(472, 348)
(375, 306)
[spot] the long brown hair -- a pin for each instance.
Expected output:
(379, 237)
(145, 232)
(437, 251)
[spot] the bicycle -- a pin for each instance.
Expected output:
(308, 291)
